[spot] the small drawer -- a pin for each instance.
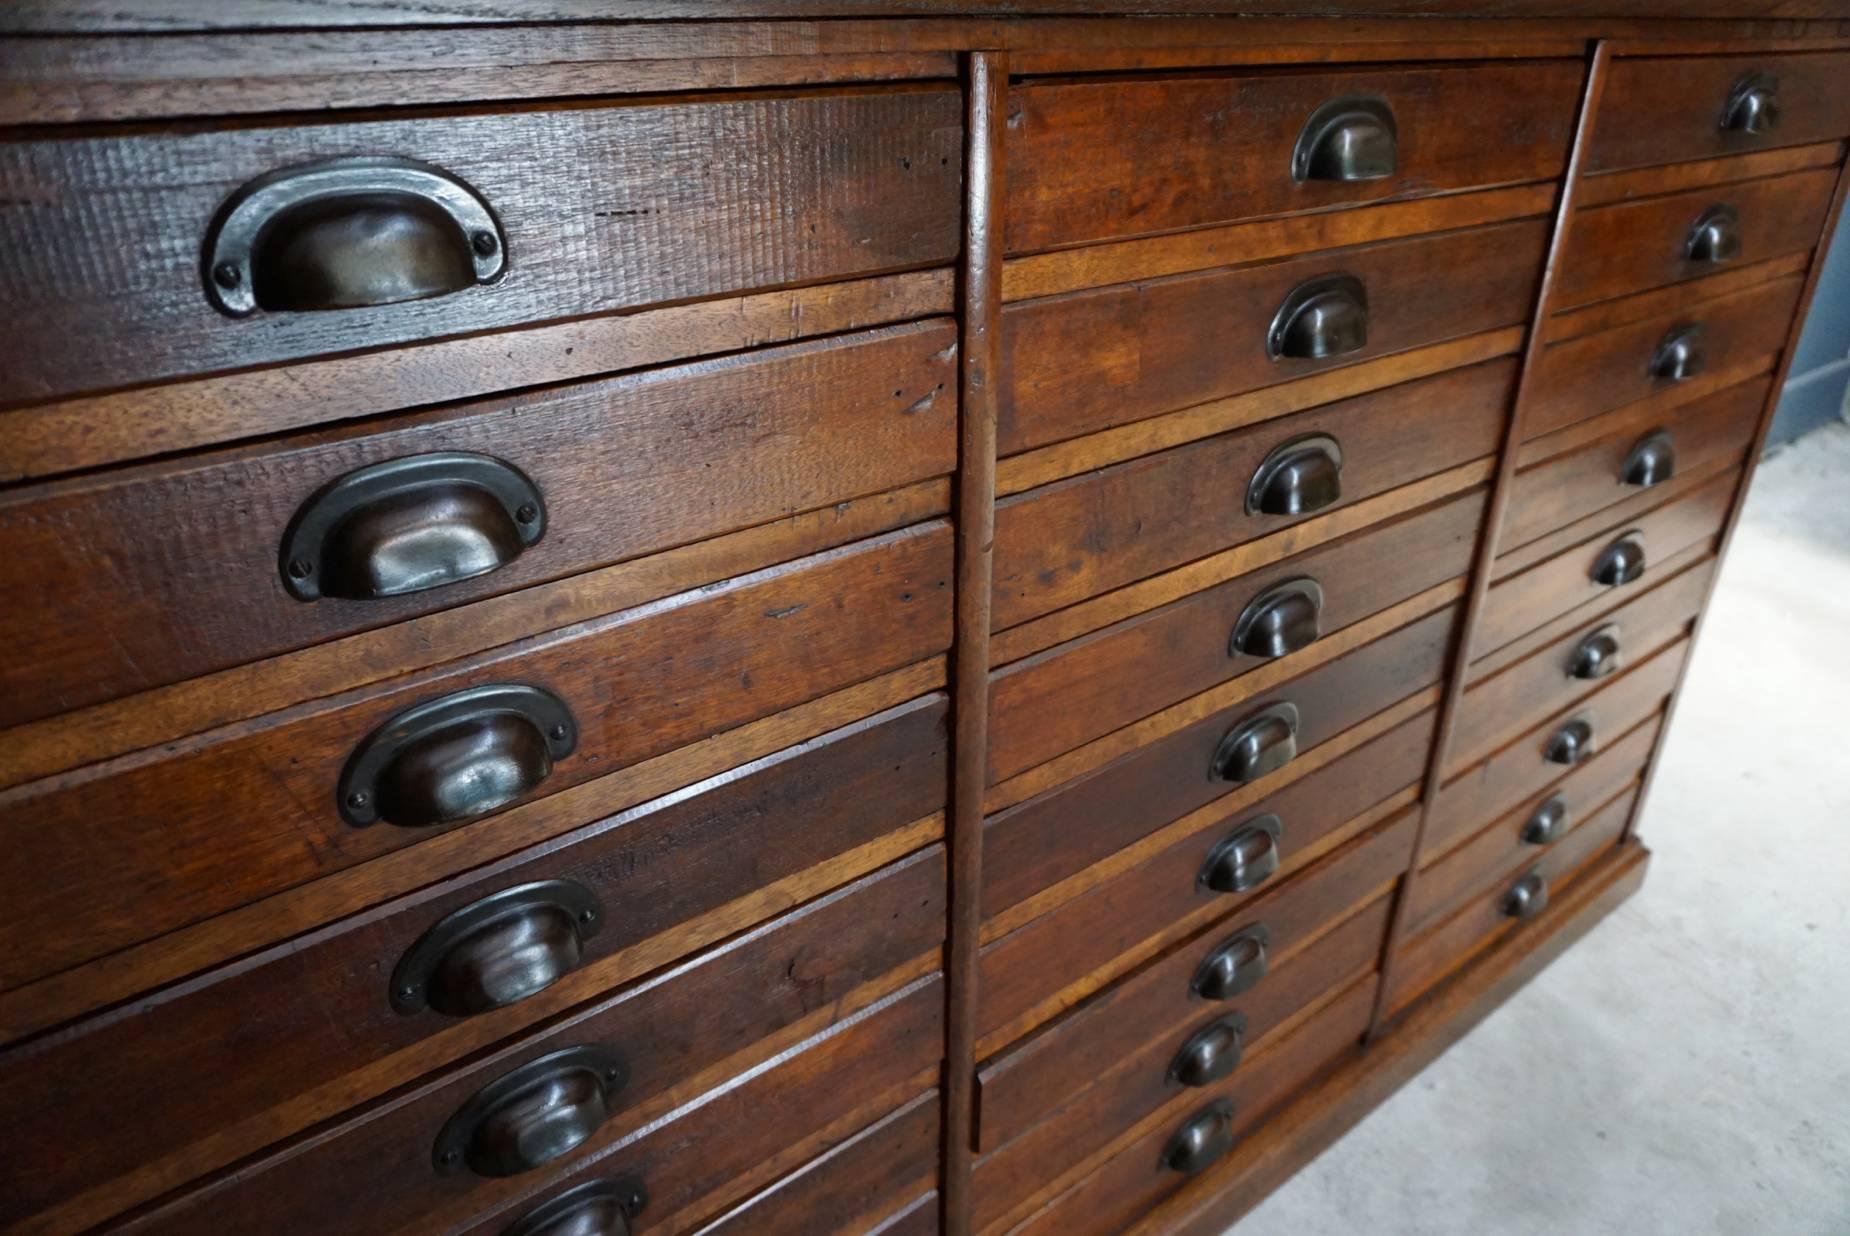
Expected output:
(492, 221)
(1547, 752)
(1046, 839)
(1620, 558)
(1635, 246)
(1048, 704)
(1076, 364)
(1580, 378)
(1573, 667)
(1080, 537)
(171, 570)
(1662, 109)
(1236, 146)
(1621, 461)
(264, 807)
(524, 1127)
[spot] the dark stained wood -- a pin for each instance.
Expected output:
(1611, 187)
(1059, 699)
(103, 238)
(1079, 152)
(1087, 361)
(251, 811)
(327, 1035)
(1078, 538)
(1664, 109)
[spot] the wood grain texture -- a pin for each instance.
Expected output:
(1636, 307)
(1609, 187)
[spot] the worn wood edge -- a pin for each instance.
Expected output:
(1638, 184)
(1534, 551)
(1609, 424)
(1259, 240)
(1580, 321)
(1311, 1123)
(1061, 460)
(1502, 487)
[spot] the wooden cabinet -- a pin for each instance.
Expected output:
(935, 624)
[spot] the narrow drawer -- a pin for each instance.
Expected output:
(1038, 843)
(1548, 751)
(1574, 484)
(322, 1023)
(1080, 537)
(1051, 703)
(696, 1162)
(1663, 109)
(1634, 246)
(1572, 668)
(1183, 340)
(529, 215)
(1580, 378)
(1618, 559)
(229, 557)
(258, 809)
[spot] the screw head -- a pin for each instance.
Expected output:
(585, 916)
(227, 275)
(557, 733)
(408, 991)
(526, 513)
(300, 568)
(358, 799)
(484, 243)
(451, 1156)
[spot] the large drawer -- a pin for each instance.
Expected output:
(1058, 700)
(170, 570)
(260, 808)
(1663, 109)
(1079, 165)
(577, 210)
(1078, 363)
(1080, 537)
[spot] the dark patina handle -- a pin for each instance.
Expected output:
(1570, 744)
(531, 1116)
(1203, 1138)
(1347, 139)
(1680, 355)
(1297, 477)
(1279, 621)
(1245, 858)
(457, 756)
(601, 1208)
(410, 524)
(1621, 562)
(1753, 104)
(1595, 656)
(1715, 236)
(1262, 743)
(1651, 461)
(1320, 318)
(1546, 823)
(497, 951)
(1234, 967)
(1527, 898)
(348, 233)
(1211, 1052)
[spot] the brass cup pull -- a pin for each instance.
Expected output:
(601, 1208)
(1570, 744)
(1546, 823)
(408, 525)
(1279, 621)
(1347, 139)
(1753, 104)
(529, 1117)
(1211, 1052)
(1297, 477)
(1234, 967)
(349, 233)
(1527, 898)
(1262, 743)
(1680, 355)
(1652, 461)
(456, 756)
(1203, 1138)
(1596, 656)
(1715, 237)
(1320, 318)
(497, 951)
(1245, 858)
(1621, 562)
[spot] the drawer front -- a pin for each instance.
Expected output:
(1525, 767)
(1499, 708)
(1038, 843)
(1180, 341)
(584, 210)
(686, 1164)
(1079, 166)
(257, 812)
(1617, 560)
(1570, 486)
(316, 1026)
(242, 554)
(1154, 1009)
(1667, 109)
(1580, 378)
(1077, 538)
(1049, 704)
(1633, 246)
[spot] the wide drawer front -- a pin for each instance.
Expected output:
(1183, 340)
(326, 238)
(242, 554)
(1666, 109)
(1238, 146)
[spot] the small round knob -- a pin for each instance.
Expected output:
(1245, 858)
(1715, 236)
(1234, 967)
(1753, 104)
(1262, 743)
(1527, 898)
(533, 1115)
(1319, 319)
(1651, 461)
(1211, 1052)
(1546, 823)
(1570, 744)
(600, 1208)
(1203, 1138)
(1680, 355)
(1279, 621)
(1621, 562)
(1597, 655)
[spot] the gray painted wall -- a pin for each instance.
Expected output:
(1815, 388)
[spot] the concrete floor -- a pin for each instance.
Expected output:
(1686, 1068)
